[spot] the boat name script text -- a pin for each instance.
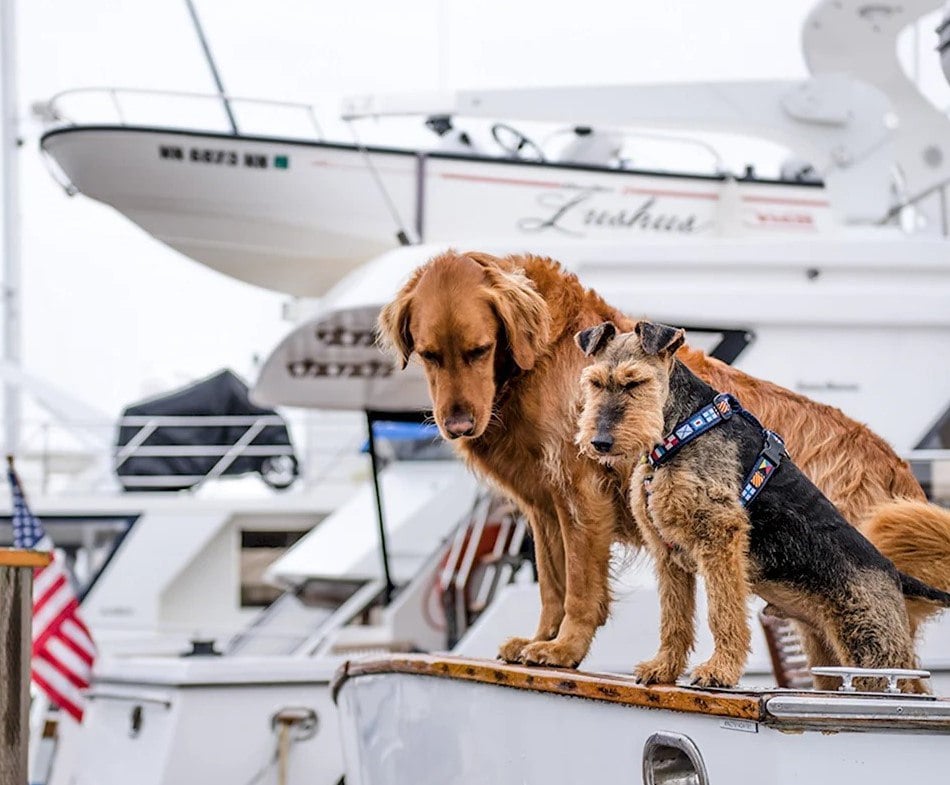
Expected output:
(577, 212)
(208, 155)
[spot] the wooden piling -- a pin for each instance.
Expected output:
(16, 588)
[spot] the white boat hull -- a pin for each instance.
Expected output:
(432, 730)
(205, 720)
(851, 322)
(296, 216)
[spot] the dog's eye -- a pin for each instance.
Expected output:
(477, 353)
(596, 384)
(431, 357)
(630, 385)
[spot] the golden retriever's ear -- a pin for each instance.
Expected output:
(522, 312)
(659, 338)
(594, 340)
(393, 323)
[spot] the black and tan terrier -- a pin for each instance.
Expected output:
(714, 495)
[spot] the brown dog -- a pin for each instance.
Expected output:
(496, 340)
(773, 533)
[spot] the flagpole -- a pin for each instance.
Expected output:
(10, 248)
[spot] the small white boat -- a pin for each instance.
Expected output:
(295, 210)
(437, 720)
(297, 215)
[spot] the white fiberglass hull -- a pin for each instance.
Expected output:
(857, 321)
(204, 720)
(467, 722)
(296, 216)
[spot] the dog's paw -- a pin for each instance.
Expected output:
(553, 653)
(511, 649)
(659, 670)
(711, 674)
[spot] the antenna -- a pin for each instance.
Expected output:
(211, 65)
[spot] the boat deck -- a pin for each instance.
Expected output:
(783, 709)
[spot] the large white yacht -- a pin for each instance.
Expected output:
(809, 279)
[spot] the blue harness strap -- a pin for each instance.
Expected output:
(768, 460)
(722, 408)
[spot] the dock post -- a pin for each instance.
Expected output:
(16, 588)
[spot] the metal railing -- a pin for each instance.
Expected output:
(466, 590)
(53, 111)
(67, 457)
(943, 197)
(241, 447)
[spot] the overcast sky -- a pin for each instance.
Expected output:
(108, 311)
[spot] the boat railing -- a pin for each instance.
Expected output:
(118, 104)
(59, 457)
(55, 110)
(940, 191)
(244, 446)
(484, 555)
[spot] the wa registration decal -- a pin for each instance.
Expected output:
(218, 157)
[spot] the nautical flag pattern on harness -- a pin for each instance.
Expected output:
(695, 425)
(63, 651)
(755, 482)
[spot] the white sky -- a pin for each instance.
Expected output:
(106, 308)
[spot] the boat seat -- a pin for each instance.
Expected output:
(789, 662)
(590, 147)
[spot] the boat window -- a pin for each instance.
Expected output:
(259, 550)
(670, 758)
(86, 543)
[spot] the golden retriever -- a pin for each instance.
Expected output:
(495, 337)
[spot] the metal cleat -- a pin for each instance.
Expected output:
(848, 675)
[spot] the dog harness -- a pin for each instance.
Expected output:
(722, 408)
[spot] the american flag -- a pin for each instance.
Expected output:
(63, 651)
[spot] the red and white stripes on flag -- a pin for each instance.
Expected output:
(63, 650)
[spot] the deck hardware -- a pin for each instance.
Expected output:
(848, 675)
(672, 758)
(300, 718)
(135, 721)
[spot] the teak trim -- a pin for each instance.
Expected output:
(17, 557)
(612, 689)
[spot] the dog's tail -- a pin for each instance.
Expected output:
(918, 590)
(915, 536)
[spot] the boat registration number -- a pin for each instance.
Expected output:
(218, 157)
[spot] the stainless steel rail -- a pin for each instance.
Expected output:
(53, 110)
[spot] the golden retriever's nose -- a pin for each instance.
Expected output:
(459, 424)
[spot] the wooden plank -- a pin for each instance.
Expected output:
(612, 689)
(17, 557)
(15, 599)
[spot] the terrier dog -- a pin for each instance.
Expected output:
(720, 498)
